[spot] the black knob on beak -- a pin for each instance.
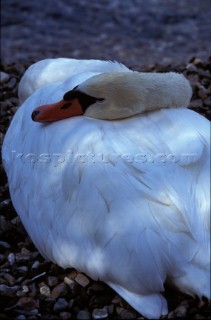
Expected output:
(34, 114)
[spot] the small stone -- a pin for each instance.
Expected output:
(208, 101)
(45, 290)
(100, 313)
(68, 281)
(116, 300)
(59, 290)
(60, 305)
(82, 280)
(95, 287)
(198, 317)
(111, 309)
(25, 288)
(20, 317)
(203, 92)
(8, 291)
(11, 84)
(16, 221)
(11, 258)
(4, 244)
(125, 314)
(65, 315)
(52, 281)
(83, 315)
(2, 258)
(4, 76)
(198, 62)
(10, 279)
(179, 312)
(191, 68)
(22, 269)
(28, 303)
(196, 103)
(3, 222)
(36, 265)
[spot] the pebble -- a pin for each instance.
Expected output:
(20, 317)
(179, 312)
(60, 304)
(65, 315)
(82, 280)
(52, 281)
(68, 281)
(83, 315)
(4, 76)
(2, 258)
(59, 290)
(45, 290)
(4, 244)
(3, 225)
(8, 291)
(191, 68)
(124, 313)
(22, 269)
(10, 279)
(36, 265)
(100, 313)
(11, 258)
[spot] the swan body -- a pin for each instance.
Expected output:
(124, 200)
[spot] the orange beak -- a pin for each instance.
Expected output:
(57, 111)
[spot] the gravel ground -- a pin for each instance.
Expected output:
(32, 288)
(132, 32)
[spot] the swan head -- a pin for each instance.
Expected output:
(119, 95)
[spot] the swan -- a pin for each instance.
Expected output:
(109, 173)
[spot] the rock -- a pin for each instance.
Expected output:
(196, 103)
(69, 281)
(82, 280)
(4, 244)
(25, 255)
(11, 258)
(83, 315)
(124, 313)
(10, 279)
(59, 291)
(95, 287)
(22, 269)
(52, 281)
(208, 101)
(28, 303)
(20, 317)
(191, 68)
(65, 315)
(100, 313)
(35, 265)
(198, 62)
(2, 258)
(3, 225)
(60, 305)
(8, 291)
(4, 76)
(179, 312)
(116, 299)
(45, 290)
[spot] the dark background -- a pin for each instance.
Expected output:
(135, 32)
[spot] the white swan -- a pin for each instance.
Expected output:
(124, 200)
